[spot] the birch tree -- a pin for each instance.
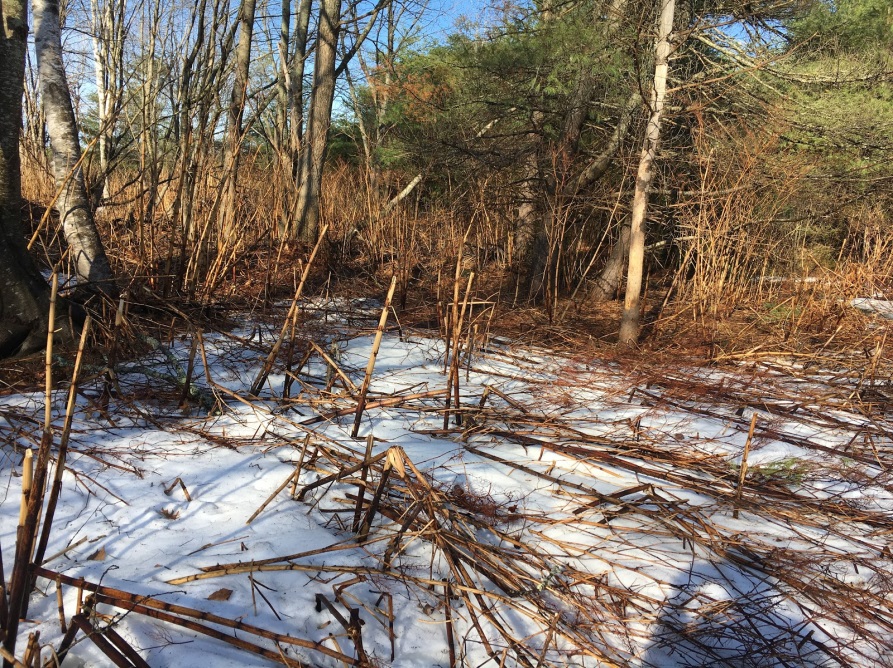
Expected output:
(631, 319)
(85, 247)
(24, 295)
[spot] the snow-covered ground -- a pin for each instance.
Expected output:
(585, 512)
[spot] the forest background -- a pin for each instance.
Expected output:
(714, 153)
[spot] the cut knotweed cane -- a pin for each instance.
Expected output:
(267, 366)
(370, 366)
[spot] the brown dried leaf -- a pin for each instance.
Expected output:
(169, 514)
(99, 555)
(221, 595)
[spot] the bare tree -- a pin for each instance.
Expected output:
(145, 119)
(288, 130)
(398, 27)
(235, 114)
(109, 32)
(325, 75)
(322, 97)
(85, 247)
(630, 321)
(201, 56)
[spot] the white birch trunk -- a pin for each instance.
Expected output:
(630, 322)
(85, 247)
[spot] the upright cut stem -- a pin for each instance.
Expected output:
(453, 378)
(742, 472)
(271, 358)
(370, 367)
(19, 585)
(63, 448)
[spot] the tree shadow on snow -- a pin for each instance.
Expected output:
(718, 615)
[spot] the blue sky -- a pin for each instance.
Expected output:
(445, 13)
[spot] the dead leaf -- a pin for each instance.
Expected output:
(221, 595)
(169, 514)
(99, 555)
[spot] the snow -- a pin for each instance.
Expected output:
(591, 508)
(881, 307)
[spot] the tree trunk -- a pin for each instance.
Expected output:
(630, 322)
(607, 284)
(85, 247)
(283, 79)
(290, 90)
(109, 34)
(321, 98)
(235, 115)
(296, 82)
(24, 295)
(529, 240)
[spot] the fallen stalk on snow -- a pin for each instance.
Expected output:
(184, 616)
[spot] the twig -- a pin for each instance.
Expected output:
(348, 383)
(210, 545)
(453, 378)
(382, 403)
(26, 535)
(60, 606)
(299, 466)
(448, 614)
(257, 585)
(170, 488)
(341, 474)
